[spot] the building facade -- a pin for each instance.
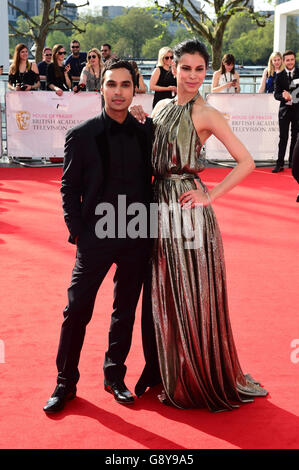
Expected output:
(34, 8)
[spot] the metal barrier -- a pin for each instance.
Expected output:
(249, 83)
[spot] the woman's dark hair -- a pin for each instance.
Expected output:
(228, 59)
(57, 71)
(14, 68)
(114, 63)
(190, 46)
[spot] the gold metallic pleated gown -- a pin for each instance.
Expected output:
(197, 354)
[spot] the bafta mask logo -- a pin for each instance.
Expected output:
(23, 120)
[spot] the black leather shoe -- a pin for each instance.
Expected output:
(57, 400)
(277, 169)
(297, 200)
(120, 392)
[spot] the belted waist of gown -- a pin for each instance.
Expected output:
(177, 176)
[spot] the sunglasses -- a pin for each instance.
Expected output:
(61, 52)
(75, 47)
(167, 57)
(92, 57)
(48, 55)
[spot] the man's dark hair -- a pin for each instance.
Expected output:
(190, 46)
(114, 63)
(289, 52)
(75, 41)
(107, 45)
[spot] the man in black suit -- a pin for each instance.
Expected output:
(107, 168)
(286, 90)
(295, 163)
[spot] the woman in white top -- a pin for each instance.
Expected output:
(226, 79)
(90, 78)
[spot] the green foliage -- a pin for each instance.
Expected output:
(58, 37)
(141, 32)
(152, 46)
(135, 34)
(135, 27)
(249, 44)
(292, 41)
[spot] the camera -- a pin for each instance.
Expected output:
(22, 86)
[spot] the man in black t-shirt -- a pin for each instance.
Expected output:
(43, 66)
(77, 61)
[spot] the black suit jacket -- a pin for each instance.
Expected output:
(83, 176)
(281, 84)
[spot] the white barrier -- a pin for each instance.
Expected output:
(145, 100)
(37, 122)
(253, 118)
(1, 131)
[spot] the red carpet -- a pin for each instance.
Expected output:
(260, 224)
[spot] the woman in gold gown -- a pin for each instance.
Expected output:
(197, 355)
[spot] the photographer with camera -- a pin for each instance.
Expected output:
(58, 75)
(23, 75)
(226, 79)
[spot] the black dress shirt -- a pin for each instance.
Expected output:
(125, 166)
(124, 183)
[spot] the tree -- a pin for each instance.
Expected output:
(255, 46)
(134, 28)
(247, 42)
(152, 46)
(51, 19)
(211, 26)
(292, 39)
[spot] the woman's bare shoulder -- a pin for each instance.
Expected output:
(161, 104)
(206, 116)
(203, 108)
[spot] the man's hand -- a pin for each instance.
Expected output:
(286, 95)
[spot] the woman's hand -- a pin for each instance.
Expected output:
(138, 113)
(58, 91)
(195, 197)
(67, 68)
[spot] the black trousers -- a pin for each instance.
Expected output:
(286, 119)
(295, 165)
(131, 259)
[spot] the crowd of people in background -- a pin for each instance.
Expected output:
(81, 71)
